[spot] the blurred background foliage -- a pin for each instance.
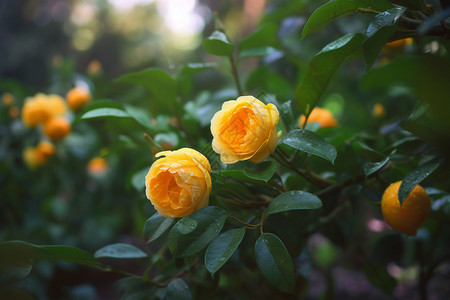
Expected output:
(51, 46)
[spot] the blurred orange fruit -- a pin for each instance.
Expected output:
(78, 98)
(408, 217)
(41, 108)
(319, 115)
(97, 165)
(44, 151)
(378, 110)
(57, 128)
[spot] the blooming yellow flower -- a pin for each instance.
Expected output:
(179, 183)
(319, 115)
(243, 129)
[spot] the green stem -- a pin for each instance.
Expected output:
(235, 74)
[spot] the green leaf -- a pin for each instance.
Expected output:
(194, 232)
(137, 180)
(322, 69)
(178, 290)
(275, 263)
(257, 52)
(264, 36)
(336, 9)
(139, 114)
(155, 226)
(120, 250)
(159, 83)
(218, 44)
(293, 200)
(221, 249)
(105, 113)
(22, 252)
(379, 277)
(310, 142)
(194, 68)
(262, 171)
(372, 167)
(416, 176)
(378, 33)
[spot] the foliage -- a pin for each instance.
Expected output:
(306, 209)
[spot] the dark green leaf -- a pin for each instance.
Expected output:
(15, 293)
(105, 113)
(22, 252)
(155, 226)
(194, 232)
(159, 83)
(257, 52)
(322, 69)
(435, 20)
(372, 167)
(120, 250)
(378, 33)
(221, 249)
(218, 44)
(309, 142)
(262, 171)
(178, 290)
(264, 36)
(293, 200)
(275, 263)
(379, 277)
(336, 9)
(415, 177)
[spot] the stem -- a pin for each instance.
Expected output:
(181, 126)
(152, 142)
(247, 225)
(235, 74)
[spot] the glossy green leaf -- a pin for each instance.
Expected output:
(379, 277)
(140, 115)
(155, 226)
(311, 143)
(194, 232)
(105, 113)
(221, 249)
(416, 176)
(336, 9)
(372, 167)
(378, 33)
(218, 44)
(275, 263)
(178, 290)
(120, 250)
(262, 171)
(322, 69)
(194, 68)
(257, 52)
(263, 37)
(293, 200)
(19, 251)
(161, 85)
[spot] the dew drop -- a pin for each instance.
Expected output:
(187, 225)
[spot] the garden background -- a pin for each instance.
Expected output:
(305, 223)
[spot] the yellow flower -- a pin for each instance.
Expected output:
(243, 129)
(179, 183)
(77, 98)
(41, 108)
(319, 115)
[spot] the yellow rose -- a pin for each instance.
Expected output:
(243, 129)
(179, 183)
